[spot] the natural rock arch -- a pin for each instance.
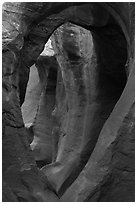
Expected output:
(25, 35)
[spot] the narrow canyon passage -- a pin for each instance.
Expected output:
(68, 116)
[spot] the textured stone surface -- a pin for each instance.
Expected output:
(21, 177)
(92, 140)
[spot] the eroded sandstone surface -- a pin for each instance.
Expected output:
(68, 119)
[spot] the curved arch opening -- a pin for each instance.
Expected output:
(87, 83)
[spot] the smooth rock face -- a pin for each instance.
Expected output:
(112, 162)
(84, 124)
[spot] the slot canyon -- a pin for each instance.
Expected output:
(68, 102)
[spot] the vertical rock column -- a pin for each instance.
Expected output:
(75, 50)
(81, 123)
